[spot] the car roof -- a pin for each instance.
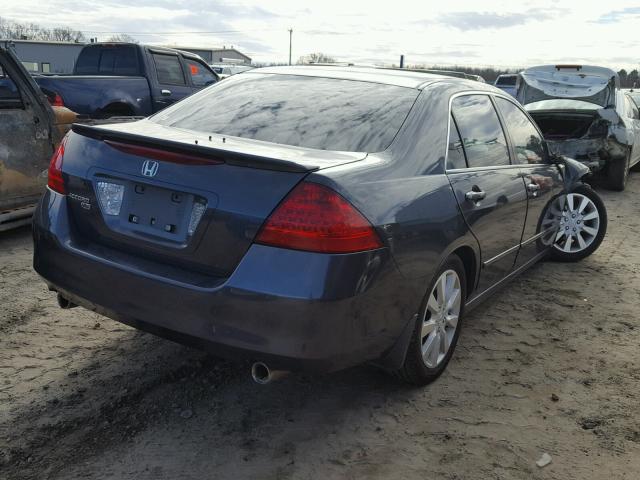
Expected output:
(389, 76)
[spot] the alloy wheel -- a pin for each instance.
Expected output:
(579, 224)
(441, 318)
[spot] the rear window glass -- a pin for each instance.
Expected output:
(507, 81)
(312, 112)
(108, 60)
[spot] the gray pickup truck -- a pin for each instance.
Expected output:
(127, 79)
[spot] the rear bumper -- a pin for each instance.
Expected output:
(295, 310)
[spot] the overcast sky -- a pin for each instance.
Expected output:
(514, 33)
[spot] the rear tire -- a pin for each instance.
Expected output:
(438, 325)
(618, 173)
(585, 216)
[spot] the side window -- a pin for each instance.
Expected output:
(200, 75)
(524, 135)
(9, 93)
(480, 129)
(455, 156)
(168, 69)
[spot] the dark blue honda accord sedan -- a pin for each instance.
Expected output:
(311, 218)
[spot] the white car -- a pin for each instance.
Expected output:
(226, 70)
(507, 83)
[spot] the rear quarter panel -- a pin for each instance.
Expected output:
(407, 196)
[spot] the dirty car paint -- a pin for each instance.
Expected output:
(30, 129)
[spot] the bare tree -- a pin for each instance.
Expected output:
(317, 57)
(30, 31)
(66, 34)
(122, 37)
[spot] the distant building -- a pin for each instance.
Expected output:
(59, 57)
(45, 57)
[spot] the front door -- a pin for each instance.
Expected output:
(489, 189)
(542, 180)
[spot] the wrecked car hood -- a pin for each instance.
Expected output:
(587, 83)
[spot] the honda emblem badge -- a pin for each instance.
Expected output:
(149, 168)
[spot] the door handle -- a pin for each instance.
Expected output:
(532, 187)
(475, 195)
(166, 93)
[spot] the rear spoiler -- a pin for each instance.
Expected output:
(205, 151)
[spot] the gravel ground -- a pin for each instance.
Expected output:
(551, 364)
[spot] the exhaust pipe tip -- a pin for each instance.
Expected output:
(65, 303)
(262, 374)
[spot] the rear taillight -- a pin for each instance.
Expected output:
(315, 218)
(56, 182)
(56, 100)
(184, 158)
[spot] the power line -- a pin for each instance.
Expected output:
(185, 33)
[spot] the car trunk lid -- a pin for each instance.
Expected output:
(587, 83)
(188, 201)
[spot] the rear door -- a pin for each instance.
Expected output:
(489, 189)
(542, 179)
(170, 79)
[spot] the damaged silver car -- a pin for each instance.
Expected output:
(584, 115)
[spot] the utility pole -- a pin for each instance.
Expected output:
(290, 38)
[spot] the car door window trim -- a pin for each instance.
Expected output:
(450, 115)
(510, 142)
(491, 95)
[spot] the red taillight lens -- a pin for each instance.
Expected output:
(56, 100)
(317, 219)
(56, 182)
(164, 155)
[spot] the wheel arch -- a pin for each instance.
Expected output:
(119, 109)
(470, 262)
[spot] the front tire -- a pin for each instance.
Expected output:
(438, 326)
(583, 225)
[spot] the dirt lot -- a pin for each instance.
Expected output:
(551, 364)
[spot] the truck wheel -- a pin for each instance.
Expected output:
(438, 326)
(583, 225)
(617, 174)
